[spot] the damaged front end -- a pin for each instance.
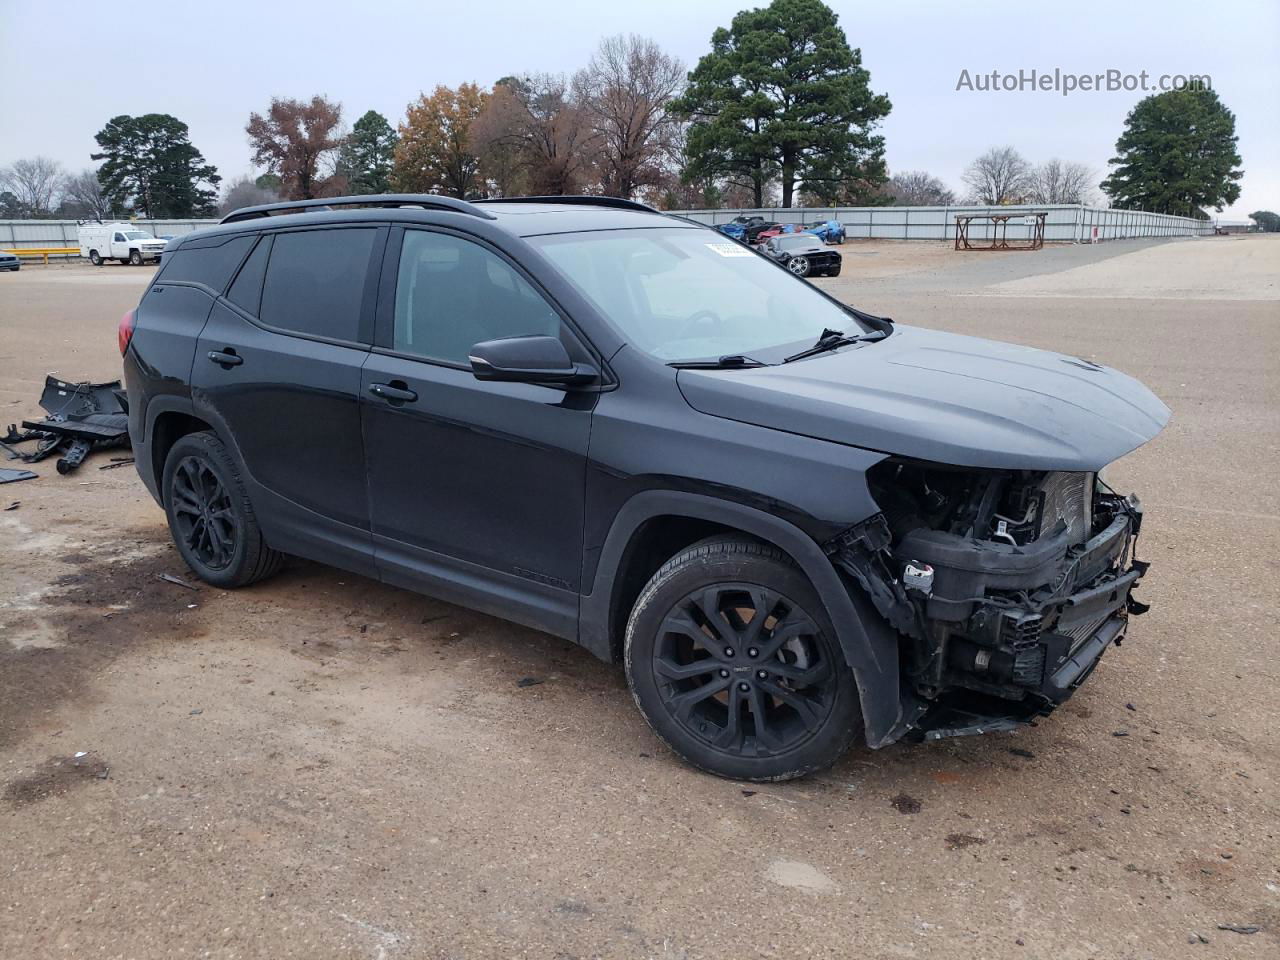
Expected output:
(1006, 587)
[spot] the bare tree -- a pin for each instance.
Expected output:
(36, 182)
(916, 188)
(999, 176)
(624, 93)
(83, 192)
(1058, 182)
(538, 118)
(245, 191)
(295, 139)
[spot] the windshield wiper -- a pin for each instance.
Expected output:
(831, 339)
(730, 361)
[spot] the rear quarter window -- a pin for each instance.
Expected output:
(210, 266)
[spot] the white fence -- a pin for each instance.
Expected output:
(16, 234)
(1066, 223)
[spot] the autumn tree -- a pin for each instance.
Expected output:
(783, 94)
(999, 176)
(34, 183)
(293, 140)
(150, 165)
(1177, 155)
(916, 188)
(366, 156)
(1056, 182)
(624, 94)
(436, 152)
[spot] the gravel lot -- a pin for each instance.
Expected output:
(322, 766)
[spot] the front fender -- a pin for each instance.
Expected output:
(869, 643)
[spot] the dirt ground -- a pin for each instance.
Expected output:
(323, 767)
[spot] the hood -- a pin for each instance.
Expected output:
(946, 398)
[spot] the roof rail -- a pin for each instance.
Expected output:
(427, 201)
(579, 201)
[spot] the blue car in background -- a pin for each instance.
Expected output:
(735, 231)
(829, 231)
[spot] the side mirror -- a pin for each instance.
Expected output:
(535, 359)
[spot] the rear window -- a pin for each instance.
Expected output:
(315, 282)
(246, 290)
(209, 266)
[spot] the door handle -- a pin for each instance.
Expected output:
(225, 358)
(395, 392)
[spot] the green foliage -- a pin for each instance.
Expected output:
(366, 156)
(151, 166)
(783, 95)
(268, 181)
(10, 206)
(1177, 155)
(1267, 221)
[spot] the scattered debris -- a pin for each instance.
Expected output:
(1130, 706)
(529, 681)
(1194, 937)
(177, 581)
(905, 803)
(1246, 929)
(117, 462)
(958, 841)
(81, 417)
(749, 793)
(1119, 733)
(13, 506)
(1019, 752)
(9, 475)
(195, 713)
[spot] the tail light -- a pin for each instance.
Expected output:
(125, 332)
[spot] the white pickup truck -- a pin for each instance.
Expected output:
(118, 241)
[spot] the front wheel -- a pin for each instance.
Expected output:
(733, 662)
(135, 257)
(799, 266)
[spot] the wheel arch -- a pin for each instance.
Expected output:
(166, 428)
(869, 644)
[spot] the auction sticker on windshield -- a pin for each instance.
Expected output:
(730, 250)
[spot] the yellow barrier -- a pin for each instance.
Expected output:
(45, 252)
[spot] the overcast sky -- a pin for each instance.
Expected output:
(68, 70)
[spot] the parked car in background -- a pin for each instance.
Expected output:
(804, 255)
(778, 230)
(829, 231)
(746, 229)
(796, 524)
(9, 261)
(118, 241)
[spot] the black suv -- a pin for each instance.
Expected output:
(794, 522)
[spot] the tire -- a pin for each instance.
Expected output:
(799, 266)
(95, 258)
(833, 272)
(211, 520)
(135, 257)
(790, 670)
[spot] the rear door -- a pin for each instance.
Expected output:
(277, 370)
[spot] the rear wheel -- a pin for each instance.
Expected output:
(210, 517)
(734, 664)
(95, 258)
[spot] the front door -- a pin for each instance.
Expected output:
(476, 488)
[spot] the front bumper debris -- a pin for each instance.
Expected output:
(997, 634)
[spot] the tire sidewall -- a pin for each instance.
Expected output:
(817, 751)
(210, 451)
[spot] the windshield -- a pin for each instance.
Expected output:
(684, 295)
(137, 235)
(794, 240)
